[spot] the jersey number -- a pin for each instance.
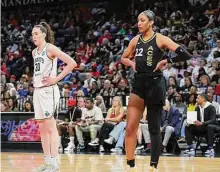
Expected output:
(37, 67)
(139, 52)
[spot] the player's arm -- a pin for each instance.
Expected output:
(129, 51)
(52, 52)
(182, 53)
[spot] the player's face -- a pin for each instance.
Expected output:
(38, 36)
(143, 23)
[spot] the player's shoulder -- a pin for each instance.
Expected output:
(135, 40)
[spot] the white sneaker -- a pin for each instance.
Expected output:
(116, 150)
(42, 168)
(101, 148)
(152, 169)
(94, 142)
(190, 151)
(130, 169)
(52, 168)
(140, 147)
(109, 140)
(70, 147)
(210, 151)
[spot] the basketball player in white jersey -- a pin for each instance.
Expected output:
(46, 92)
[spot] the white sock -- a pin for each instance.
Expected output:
(60, 140)
(47, 159)
(72, 139)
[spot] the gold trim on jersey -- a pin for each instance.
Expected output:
(148, 39)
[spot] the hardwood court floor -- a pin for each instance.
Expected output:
(25, 162)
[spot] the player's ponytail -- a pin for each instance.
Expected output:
(49, 33)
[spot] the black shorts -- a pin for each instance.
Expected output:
(150, 88)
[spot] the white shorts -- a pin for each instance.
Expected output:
(46, 102)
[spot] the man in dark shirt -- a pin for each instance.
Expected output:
(72, 116)
(216, 77)
(206, 115)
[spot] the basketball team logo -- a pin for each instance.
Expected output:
(47, 113)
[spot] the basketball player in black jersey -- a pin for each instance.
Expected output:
(148, 87)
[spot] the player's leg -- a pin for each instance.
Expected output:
(135, 111)
(154, 118)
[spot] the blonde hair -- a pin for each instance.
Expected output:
(117, 109)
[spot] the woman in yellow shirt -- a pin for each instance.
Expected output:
(191, 102)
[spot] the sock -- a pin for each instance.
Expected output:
(47, 159)
(72, 139)
(60, 140)
(131, 163)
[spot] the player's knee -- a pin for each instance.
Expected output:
(131, 130)
(169, 129)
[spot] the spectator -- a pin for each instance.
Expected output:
(107, 93)
(114, 116)
(205, 82)
(80, 103)
(170, 124)
(169, 71)
(91, 121)
(4, 106)
(214, 103)
(205, 116)
(117, 135)
(179, 104)
(94, 91)
(28, 106)
(88, 82)
(100, 103)
(72, 117)
(12, 105)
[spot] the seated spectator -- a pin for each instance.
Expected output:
(206, 114)
(214, 103)
(187, 85)
(4, 106)
(170, 124)
(191, 106)
(117, 135)
(216, 78)
(28, 106)
(99, 102)
(107, 93)
(171, 94)
(88, 82)
(114, 116)
(12, 105)
(91, 121)
(179, 104)
(73, 115)
(172, 82)
(94, 91)
(169, 71)
(79, 87)
(205, 82)
(80, 103)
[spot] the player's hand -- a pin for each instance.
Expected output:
(48, 81)
(133, 66)
(160, 65)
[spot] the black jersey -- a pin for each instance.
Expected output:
(147, 55)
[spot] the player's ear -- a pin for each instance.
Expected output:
(151, 23)
(44, 34)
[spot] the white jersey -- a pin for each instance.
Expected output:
(43, 66)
